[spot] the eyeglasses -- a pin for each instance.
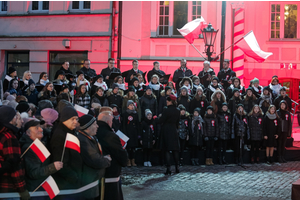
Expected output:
(111, 63)
(45, 76)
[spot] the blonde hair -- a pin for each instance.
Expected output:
(25, 74)
(252, 110)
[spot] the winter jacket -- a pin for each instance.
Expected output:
(217, 103)
(179, 73)
(130, 72)
(256, 127)
(101, 100)
(148, 102)
(240, 126)
(131, 128)
(271, 127)
(148, 133)
(185, 101)
(286, 122)
(224, 122)
(249, 102)
(152, 72)
(136, 101)
(225, 76)
(211, 89)
(232, 104)
(203, 73)
(211, 125)
(88, 72)
(229, 91)
(156, 89)
(162, 101)
(183, 127)
(83, 100)
(107, 72)
(115, 98)
(32, 97)
(280, 98)
(196, 131)
(199, 102)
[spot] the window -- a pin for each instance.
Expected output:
(3, 6)
(57, 58)
(174, 15)
(18, 60)
(39, 6)
(284, 20)
(80, 6)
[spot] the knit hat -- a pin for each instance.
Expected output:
(113, 106)
(267, 88)
(148, 88)
(181, 107)
(168, 88)
(147, 112)
(49, 115)
(67, 113)
(13, 91)
(134, 79)
(215, 78)
(11, 70)
(282, 88)
(114, 86)
(224, 104)
(255, 80)
(98, 76)
(197, 110)
(23, 107)
(33, 122)
(86, 121)
(240, 105)
(131, 88)
(209, 108)
(7, 114)
(64, 86)
(78, 73)
(235, 90)
(184, 88)
(61, 72)
(12, 104)
(10, 98)
(129, 102)
(249, 88)
(199, 88)
(45, 104)
(96, 105)
(31, 82)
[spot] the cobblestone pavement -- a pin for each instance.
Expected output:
(255, 181)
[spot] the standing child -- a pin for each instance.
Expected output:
(286, 129)
(271, 130)
(256, 132)
(210, 134)
(224, 122)
(131, 129)
(184, 98)
(199, 101)
(117, 120)
(187, 82)
(196, 84)
(183, 130)
(196, 136)
(147, 137)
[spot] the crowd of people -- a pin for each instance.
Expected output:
(194, 112)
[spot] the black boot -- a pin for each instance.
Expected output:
(193, 161)
(168, 172)
(224, 161)
(271, 160)
(197, 161)
(220, 160)
(280, 159)
(268, 160)
(181, 162)
(176, 169)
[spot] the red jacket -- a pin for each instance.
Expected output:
(13, 180)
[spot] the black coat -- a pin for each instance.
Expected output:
(224, 122)
(201, 103)
(36, 171)
(224, 77)
(179, 73)
(148, 102)
(202, 74)
(130, 72)
(280, 98)
(183, 127)
(233, 103)
(211, 125)
(33, 97)
(68, 71)
(106, 72)
(117, 123)
(196, 131)
(169, 135)
(152, 72)
(271, 127)
(69, 177)
(256, 127)
(258, 92)
(229, 91)
(89, 72)
(101, 100)
(240, 126)
(185, 101)
(94, 163)
(286, 121)
(131, 128)
(156, 89)
(115, 98)
(111, 145)
(148, 133)
(249, 103)
(211, 89)
(162, 102)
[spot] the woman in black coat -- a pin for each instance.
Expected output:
(31, 93)
(156, 86)
(99, 97)
(148, 101)
(169, 135)
(286, 129)
(256, 132)
(271, 130)
(184, 98)
(249, 100)
(199, 101)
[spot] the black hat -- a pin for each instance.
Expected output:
(69, 76)
(281, 102)
(209, 108)
(78, 73)
(168, 88)
(267, 88)
(249, 88)
(224, 104)
(45, 104)
(216, 78)
(235, 90)
(61, 72)
(197, 110)
(114, 86)
(134, 79)
(181, 107)
(86, 121)
(98, 76)
(64, 86)
(148, 88)
(113, 105)
(7, 114)
(240, 105)
(131, 88)
(23, 107)
(31, 82)
(33, 122)
(67, 113)
(11, 70)
(282, 88)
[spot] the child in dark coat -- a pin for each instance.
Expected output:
(196, 135)
(147, 137)
(117, 120)
(183, 130)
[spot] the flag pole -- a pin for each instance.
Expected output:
(27, 149)
(62, 157)
(38, 187)
(198, 51)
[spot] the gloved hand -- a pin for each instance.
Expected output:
(154, 117)
(206, 138)
(25, 195)
(215, 138)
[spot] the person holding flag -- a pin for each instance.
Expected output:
(64, 147)
(36, 156)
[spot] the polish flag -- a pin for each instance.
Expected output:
(123, 138)
(248, 44)
(40, 150)
(192, 30)
(50, 186)
(72, 142)
(81, 110)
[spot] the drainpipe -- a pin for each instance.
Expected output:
(119, 33)
(113, 29)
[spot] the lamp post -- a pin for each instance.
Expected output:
(209, 35)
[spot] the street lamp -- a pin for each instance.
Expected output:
(209, 35)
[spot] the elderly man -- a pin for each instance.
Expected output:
(225, 75)
(87, 71)
(155, 70)
(65, 68)
(36, 171)
(180, 73)
(68, 177)
(132, 72)
(207, 70)
(108, 70)
(92, 156)
(111, 145)
(12, 171)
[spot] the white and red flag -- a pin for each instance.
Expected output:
(248, 44)
(81, 110)
(39, 149)
(72, 142)
(192, 30)
(51, 187)
(123, 138)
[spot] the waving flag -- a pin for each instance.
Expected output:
(81, 110)
(248, 44)
(192, 30)
(72, 142)
(50, 186)
(123, 138)
(40, 150)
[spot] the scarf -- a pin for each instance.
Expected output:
(43, 82)
(271, 116)
(154, 86)
(265, 98)
(211, 87)
(103, 85)
(257, 88)
(121, 86)
(275, 88)
(25, 82)
(131, 111)
(8, 78)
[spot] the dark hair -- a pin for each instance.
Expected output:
(62, 96)
(99, 88)
(174, 102)
(227, 61)
(79, 90)
(41, 76)
(111, 59)
(135, 61)
(65, 62)
(85, 60)
(156, 62)
(46, 86)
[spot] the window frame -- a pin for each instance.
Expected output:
(3, 12)
(171, 18)
(281, 29)
(80, 9)
(23, 64)
(40, 8)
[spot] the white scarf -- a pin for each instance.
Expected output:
(240, 89)
(141, 84)
(8, 78)
(154, 86)
(121, 86)
(103, 85)
(84, 82)
(212, 88)
(25, 82)
(275, 88)
(43, 82)
(256, 88)
(189, 89)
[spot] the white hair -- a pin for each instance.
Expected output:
(206, 62)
